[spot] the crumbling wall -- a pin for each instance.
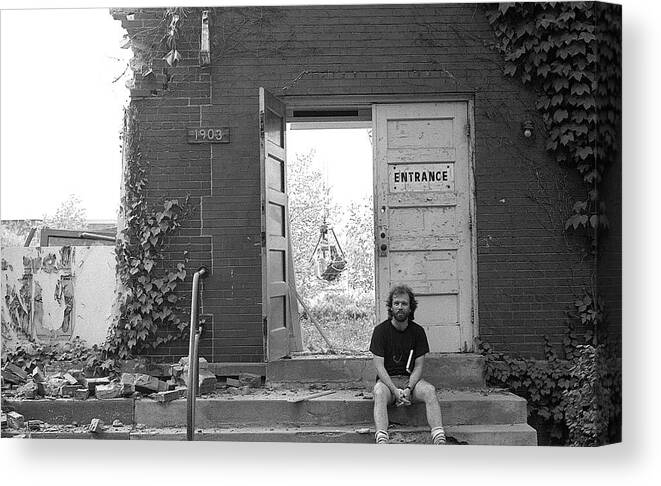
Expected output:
(57, 293)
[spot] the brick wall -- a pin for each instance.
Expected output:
(528, 271)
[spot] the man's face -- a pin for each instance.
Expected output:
(401, 307)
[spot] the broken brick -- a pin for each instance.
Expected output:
(91, 383)
(15, 420)
(34, 424)
(53, 386)
(127, 389)
(78, 374)
(117, 423)
(203, 364)
(107, 392)
(29, 390)
(37, 375)
(207, 383)
(10, 378)
(3, 420)
(146, 383)
(68, 390)
(96, 426)
(233, 382)
(71, 380)
(16, 370)
(250, 379)
(81, 394)
(168, 396)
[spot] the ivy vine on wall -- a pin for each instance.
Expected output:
(146, 297)
(569, 52)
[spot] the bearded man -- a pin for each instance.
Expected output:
(399, 346)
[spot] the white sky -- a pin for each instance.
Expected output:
(343, 156)
(61, 113)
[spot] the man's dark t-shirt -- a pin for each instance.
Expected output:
(395, 346)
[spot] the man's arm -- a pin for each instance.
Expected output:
(385, 377)
(416, 374)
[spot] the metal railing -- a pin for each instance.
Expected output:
(193, 360)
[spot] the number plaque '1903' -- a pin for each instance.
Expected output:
(209, 135)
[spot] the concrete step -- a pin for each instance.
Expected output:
(512, 435)
(340, 408)
(452, 370)
(67, 410)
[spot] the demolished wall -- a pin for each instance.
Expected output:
(53, 294)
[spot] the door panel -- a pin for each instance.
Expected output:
(422, 209)
(279, 312)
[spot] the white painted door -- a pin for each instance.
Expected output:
(422, 216)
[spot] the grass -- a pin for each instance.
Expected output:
(346, 317)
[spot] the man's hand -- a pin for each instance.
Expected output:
(402, 397)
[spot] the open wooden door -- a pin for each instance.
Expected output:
(279, 309)
(423, 222)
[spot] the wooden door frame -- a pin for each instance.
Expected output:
(369, 100)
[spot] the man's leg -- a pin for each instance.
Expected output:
(425, 392)
(382, 397)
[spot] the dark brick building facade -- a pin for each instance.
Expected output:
(528, 270)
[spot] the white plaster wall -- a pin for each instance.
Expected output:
(94, 287)
(92, 273)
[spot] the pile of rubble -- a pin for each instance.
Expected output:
(138, 378)
(161, 382)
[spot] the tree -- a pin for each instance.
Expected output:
(359, 245)
(70, 215)
(309, 202)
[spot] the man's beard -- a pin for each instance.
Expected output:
(401, 316)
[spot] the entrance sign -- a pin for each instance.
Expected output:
(421, 177)
(422, 203)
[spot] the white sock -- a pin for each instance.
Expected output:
(438, 435)
(381, 436)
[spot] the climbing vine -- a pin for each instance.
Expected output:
(569, 52)
(147, 301)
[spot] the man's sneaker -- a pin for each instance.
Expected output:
(438, 436)
(381, 437)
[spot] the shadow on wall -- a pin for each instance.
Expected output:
(53, 294)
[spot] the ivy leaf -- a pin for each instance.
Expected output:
(148, 264)
(584, 152)
(580, 88)
(560, 115)
(510, 69)
(504, 7)
(560, 83)
(172, 57)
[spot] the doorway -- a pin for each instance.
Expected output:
(330, 171)
(422, 228)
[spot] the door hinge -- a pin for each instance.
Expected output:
(468, 130)
(472, 315)
(263, 238)
(470, 222)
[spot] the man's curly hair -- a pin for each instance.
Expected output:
(399, 290)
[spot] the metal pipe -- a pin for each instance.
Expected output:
(97, 236)
(193, 360)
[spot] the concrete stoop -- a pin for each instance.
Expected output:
(475, 417)
(443, 370)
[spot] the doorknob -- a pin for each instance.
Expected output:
(383, 250)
